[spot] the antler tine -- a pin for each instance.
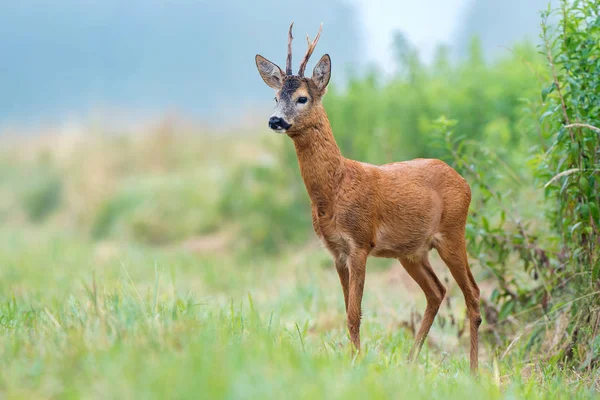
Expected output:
(288, 63)
(309, 51)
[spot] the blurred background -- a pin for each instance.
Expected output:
(136, 167)
(72, 59)
(126, 118)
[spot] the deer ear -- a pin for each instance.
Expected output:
(322, 72)
(270, 72)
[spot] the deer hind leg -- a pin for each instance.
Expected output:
(341, 267)
(420, 270)
(357, 263)
(454, 254)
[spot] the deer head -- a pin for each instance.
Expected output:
(297, 97)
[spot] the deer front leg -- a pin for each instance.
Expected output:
(357, 269)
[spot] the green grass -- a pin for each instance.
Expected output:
(131, 284)
(84, 319)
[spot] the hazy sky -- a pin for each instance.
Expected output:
(70, 56)
(425, 22)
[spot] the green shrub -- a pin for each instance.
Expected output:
(267, 201)
(42, 195)
(569, 168)
(156, 210)
(547, 270)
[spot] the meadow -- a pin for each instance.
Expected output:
(119, 318)
(172, 261)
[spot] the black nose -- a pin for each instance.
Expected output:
(275, 122)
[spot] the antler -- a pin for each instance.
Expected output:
(309, 51)
(288, 63)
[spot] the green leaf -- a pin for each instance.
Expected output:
(594, 211)
(575, 227)
(485, 223)
(506, 310)
(547, 90)
(546, 114)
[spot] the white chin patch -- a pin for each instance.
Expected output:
(280, 130)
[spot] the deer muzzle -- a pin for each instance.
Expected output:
(278, 124)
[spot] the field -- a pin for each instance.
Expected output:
(114, 317)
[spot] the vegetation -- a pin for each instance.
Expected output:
(177, 263)
(558, 296)
(88, 320)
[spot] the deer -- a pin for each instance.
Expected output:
(400, 210)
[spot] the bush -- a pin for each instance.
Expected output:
(548, 274)
(267, 202)
(33, 190)
(156, 210)
(42, 196)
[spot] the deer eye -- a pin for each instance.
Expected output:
(302, 100)
(275, 98)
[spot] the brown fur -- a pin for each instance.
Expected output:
(400, 210)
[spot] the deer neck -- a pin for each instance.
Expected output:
(320, 160)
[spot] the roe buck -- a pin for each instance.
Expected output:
(400, 210)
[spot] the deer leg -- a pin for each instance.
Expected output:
(341, 267)
(421, 271)
(454, 254)
(357, 263)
